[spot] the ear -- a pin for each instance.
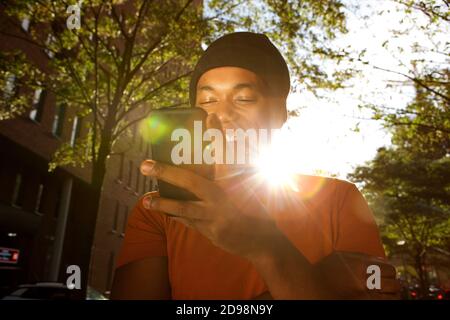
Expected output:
(278, 112)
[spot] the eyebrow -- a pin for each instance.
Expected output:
(239, 86)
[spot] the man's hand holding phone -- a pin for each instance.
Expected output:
(216, 214)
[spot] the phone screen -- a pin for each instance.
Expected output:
(176, 137)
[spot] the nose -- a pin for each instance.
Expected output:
(226, 112)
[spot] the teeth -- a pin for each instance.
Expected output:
(231, 137)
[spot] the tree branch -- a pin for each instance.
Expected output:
(415, 80)
(116, 18)
(406, 124)
(428, 11)
(121, 130)
(152, 92)
(158, 41)
(144, 79)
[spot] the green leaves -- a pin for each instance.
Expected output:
(408, 184)
(77, 155)
(17, 75)
(129, 58)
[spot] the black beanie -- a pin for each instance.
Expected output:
(251, 51)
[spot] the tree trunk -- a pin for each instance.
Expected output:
(422, 272)
(95, 194)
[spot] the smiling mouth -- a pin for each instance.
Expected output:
(231, 136)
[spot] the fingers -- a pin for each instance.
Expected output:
(359, 263)
(390, 290)
(181, 209)
(201, 187)
(390, 285)
(347, 274)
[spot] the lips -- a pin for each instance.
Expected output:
(231, 137)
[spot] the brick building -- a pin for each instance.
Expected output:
(38, 207)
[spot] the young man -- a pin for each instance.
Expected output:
(243, 240)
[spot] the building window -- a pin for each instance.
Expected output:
(138, 179)
(38, 105)
(58, 121)
(144, 184)
(147, 150)
(130, 173)
(88, 146)
(48, 43)
(142, 142)
(38, 205)
(147, 185)
(58, 201)
(116, 217)
(153, 184)
(110, 274)
(121, 161)
(18, 194)
(25, 24)
(10, 87)
(135, 133)
(125, 220)
(76, 128)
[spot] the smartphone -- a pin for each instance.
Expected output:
(161, 128)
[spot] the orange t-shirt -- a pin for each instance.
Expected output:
(323, 215)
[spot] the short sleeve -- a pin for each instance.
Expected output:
(357, 230)
(145, 236)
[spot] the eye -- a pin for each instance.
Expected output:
(245, 99)
(208, 101)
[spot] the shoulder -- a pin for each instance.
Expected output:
(321, 188)
(341, 212)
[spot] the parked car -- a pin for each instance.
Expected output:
(433, 293)
(49, 291)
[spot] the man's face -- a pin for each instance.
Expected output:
(237, 96)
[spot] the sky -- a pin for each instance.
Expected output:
(323, 137)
